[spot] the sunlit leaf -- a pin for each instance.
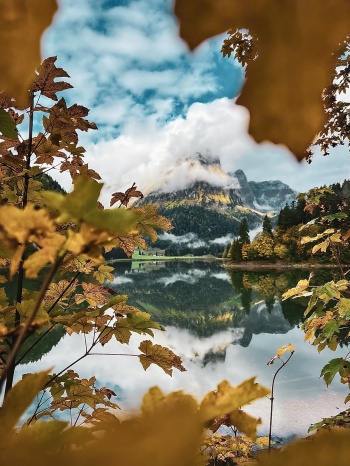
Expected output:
(245, 423)
(227, 398)
(300, 289)
(81, 206)
(161, 356)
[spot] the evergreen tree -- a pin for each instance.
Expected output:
(244, 232)
(267, 227)
(235, 252)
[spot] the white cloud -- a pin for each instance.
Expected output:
(224, 240)
(191, 277)
(128, 64)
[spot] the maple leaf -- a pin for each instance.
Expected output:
(45, 150)
(227, 398)
(81, 206)
(129, 243)
(7, 125)
(93, 294)
(63, 122)
(150, 221)
(289, 34)
(45, 79)
(161, 356)
(124, 198)
(50, 246)
(103, 273)
(25, 225)
(59, 291)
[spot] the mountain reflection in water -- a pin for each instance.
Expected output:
(224, 325)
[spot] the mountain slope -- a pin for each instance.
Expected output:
(206, 214)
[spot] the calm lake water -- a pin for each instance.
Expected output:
(224, 325)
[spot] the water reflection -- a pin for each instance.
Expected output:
(224, 325)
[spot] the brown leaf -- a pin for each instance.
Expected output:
(22, 24)
(124, 198)
(93, 294)
(45, 80)
(284, 84)
(161, 356)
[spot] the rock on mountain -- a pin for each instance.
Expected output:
(264, 196)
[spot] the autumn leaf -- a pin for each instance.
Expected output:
(149, 222)
(299, 290)
(81, 206)
(227, 398)
(45, 150)
(45, 79)
(288, 34)
(103, 273)
(93, 294)
(17, 401)
(161, 356)
(327, 447)
(124, 198)
(21, 28)
(280, 352)
(245, 423)
(58, 291)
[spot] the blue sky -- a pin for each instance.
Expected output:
(156, 104)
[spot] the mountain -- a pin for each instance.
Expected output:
(206, 213)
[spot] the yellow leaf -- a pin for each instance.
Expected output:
(104, 273)
(25, 308)
(18, 400)
(21, 28)
(25, 225)
(322, 449)
(288, 35)
(16, 259)
(81, 205)
(302, 285)
(285, 348)
(161, 356)
(50, 249)
(245, 423)
(227, 398)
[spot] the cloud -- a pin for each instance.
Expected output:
(121, 280)
(224, 240)
(221, 276)
(156, 104)
(189, 239)
(192, 277)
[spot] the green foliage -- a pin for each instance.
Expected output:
(328, 309)
(7, 125)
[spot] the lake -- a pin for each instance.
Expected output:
(224, 325)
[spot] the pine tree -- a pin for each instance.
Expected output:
(267, 227)
(235, 252)
(244, 232)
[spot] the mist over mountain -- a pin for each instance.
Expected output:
(207, 213)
